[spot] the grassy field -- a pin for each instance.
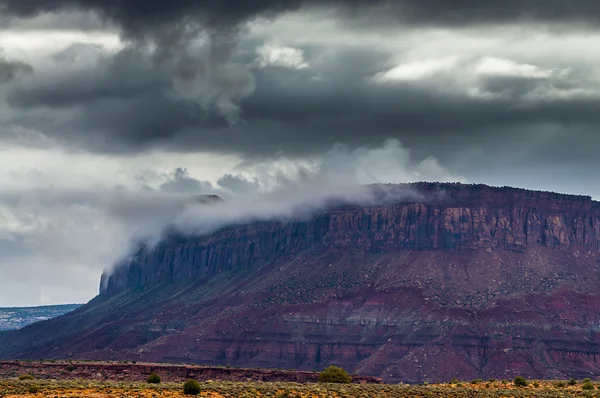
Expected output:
(216, 389)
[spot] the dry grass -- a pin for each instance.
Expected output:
(216, 389)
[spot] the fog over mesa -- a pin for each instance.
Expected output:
(62, 226)
(113, 114)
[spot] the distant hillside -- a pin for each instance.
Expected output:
(16, 318)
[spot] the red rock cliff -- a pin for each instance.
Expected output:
(449, 217)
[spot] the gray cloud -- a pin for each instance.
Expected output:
(205, 73)
(120, 104)
(139, 17)
(182, 182)
(124, 103)
(238, 184)
(9, 70)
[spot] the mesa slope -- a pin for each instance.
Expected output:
(464, 281)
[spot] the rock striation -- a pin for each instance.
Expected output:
(450, 280)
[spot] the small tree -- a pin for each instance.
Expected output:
(334, 374)
(587, 386)
(33, 389)
(520, 381)
(153, 378)
(191, 387)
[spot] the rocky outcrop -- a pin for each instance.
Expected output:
(433, 281)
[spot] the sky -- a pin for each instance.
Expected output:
(113, 114)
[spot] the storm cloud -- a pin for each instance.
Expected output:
(137, 16)
(190, 76)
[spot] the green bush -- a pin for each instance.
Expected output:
(153, 378)
(476, 381)
(520, 381)
(334, 374)
(454, 381)
(560, 384)
(587, 386)
(26, 377)
(586, 380)
(572, 382)
(70, 368)
(288, 394)
(191, 387)
(536, 384)
(33, 389)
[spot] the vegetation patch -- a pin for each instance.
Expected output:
(153, 378)
(334, 374)
(80, 388)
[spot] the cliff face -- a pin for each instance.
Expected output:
(449, 281)
(452, 218)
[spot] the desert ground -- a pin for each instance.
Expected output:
(14, 387)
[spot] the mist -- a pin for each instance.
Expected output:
(57, 237)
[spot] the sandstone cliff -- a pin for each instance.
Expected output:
(454, 281)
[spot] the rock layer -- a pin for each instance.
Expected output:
(452, 280)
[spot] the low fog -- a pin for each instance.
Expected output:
(56, 240)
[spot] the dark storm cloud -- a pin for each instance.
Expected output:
(137, 17)
(98, 79)
(123, 105)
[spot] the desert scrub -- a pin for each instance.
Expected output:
(587, 386)
(153, 378)
(191, 387)
(520, 381)
(33, 389)
(227, 389)
(334, 374)
(572, 382)
(26, 377)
